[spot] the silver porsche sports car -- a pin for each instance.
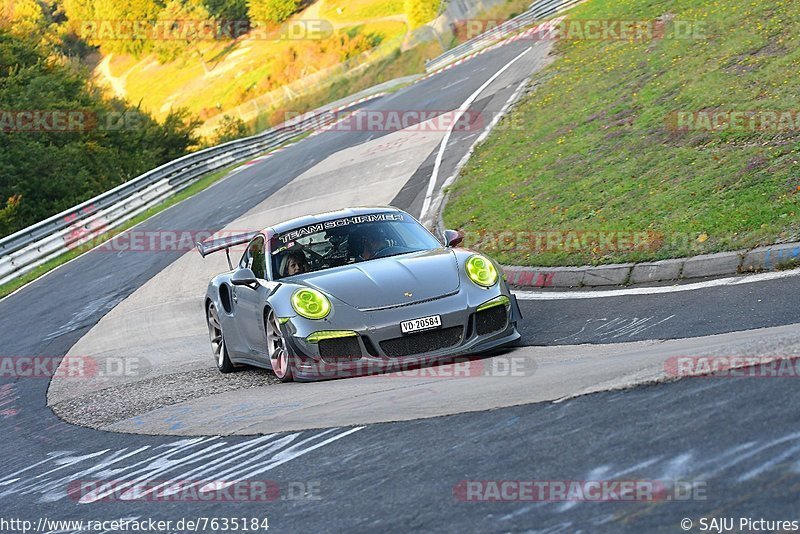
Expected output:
(351, 292)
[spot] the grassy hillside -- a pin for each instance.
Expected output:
(219, 78)
(358, 10)
(595, 147)
(219, 75)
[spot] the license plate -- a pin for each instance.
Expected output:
(423, 323)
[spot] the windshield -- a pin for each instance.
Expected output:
(348, 240)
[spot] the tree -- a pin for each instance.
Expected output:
(181, 25)
(77, 12)
(43, 172)
(227, 10)
(122, 25)
(175, 135)
(8, 214)
(276, 11)
(22, 17)
(15, 52)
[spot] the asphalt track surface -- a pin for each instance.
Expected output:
(738, 438)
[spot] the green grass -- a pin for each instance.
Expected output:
(356, 10)
(590, 150)
(384, 30)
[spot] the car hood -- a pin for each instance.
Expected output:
(386, 282)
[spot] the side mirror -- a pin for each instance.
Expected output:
(453, 238)
(243, 277)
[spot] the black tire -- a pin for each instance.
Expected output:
(217, 337)
(280, 353)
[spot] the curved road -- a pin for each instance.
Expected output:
(736, 439)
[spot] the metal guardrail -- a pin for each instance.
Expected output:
(538, 10)
(28, 248)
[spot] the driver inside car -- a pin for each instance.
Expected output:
(294, 262)
(372, 240)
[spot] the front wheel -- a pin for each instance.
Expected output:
(217, 338)
(280, 356)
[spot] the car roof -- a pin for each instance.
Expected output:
(327, 216)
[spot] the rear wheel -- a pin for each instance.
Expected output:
(217, 338)
(280, 356)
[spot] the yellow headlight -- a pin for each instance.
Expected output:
(481, 271)
(310, 303)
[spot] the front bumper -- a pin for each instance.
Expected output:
(382, 347)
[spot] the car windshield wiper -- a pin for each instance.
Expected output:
(412, 251)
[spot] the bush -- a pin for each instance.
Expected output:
(229, 129)
(186, 16)
(297, 61)
(227, 9)
(271, 10)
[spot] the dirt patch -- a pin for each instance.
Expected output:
(117, 403)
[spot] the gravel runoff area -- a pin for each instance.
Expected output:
(100, 408)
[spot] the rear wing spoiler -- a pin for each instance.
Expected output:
(224, 243)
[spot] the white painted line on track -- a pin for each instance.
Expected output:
(720, 282)
(448, 86)
(459, 113)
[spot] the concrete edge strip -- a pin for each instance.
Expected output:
(597, 293)
(769, 258)
(358, 101)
